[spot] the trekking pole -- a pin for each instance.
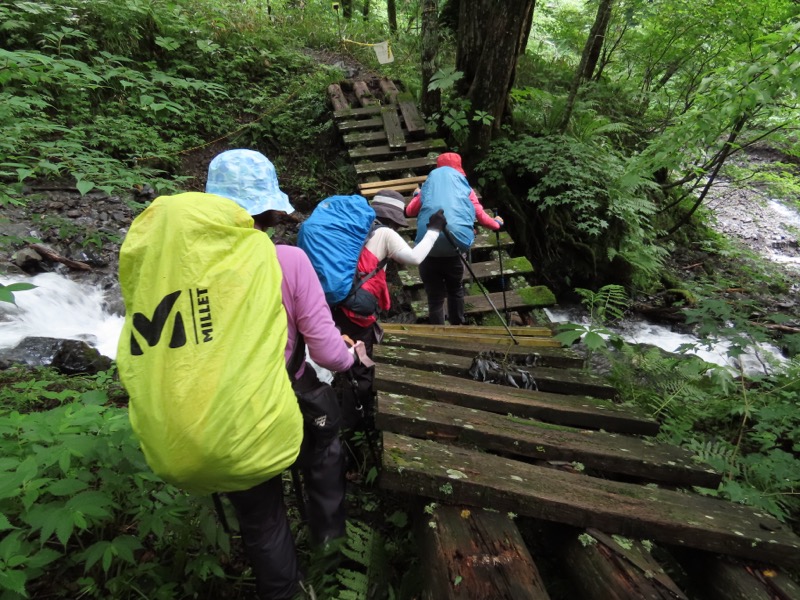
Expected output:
(450, 239)
(502, 276)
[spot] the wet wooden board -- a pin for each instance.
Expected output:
(364, 137)
(497, 339)
(389, 182)
(483, 270)
(511, 300)
(562, 409)
(555, 357)
(403, 189)
(444, 330)
(383, 151)
(352, 124)
(453, 474)
(414, 122)
(607, 453)
(391, 125)
(558, 381)
(395, 165)
(476, 555)
(349, 113)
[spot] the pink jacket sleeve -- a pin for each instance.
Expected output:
(413, 208)
(308, 312)
(481, 215)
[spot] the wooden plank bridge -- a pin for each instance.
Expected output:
(558, 448)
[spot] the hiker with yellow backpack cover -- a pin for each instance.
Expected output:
(214, 314)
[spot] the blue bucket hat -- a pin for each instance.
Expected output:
(248, 178)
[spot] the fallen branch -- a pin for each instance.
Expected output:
(777, 327)
(49, 254)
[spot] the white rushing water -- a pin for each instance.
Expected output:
(58, 308)
(642, 332)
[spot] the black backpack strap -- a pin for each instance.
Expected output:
(297, 357)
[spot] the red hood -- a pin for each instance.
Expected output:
(450, 159)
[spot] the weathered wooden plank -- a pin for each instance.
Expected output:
(415, 124)
(525, 298)
(483, 270)
(499, 339)
(350, 112)
(722, 578)
(364, 95)
(602, 569)
(451, 473)
(560, 358)
(391, 124)
(575, 411)
(366, 136)
(359, 124)
(426, 330)
(389, 90)
(472, 554)
(410, 148)
(607, 453)
(395, 165)
(336, 95)
(403, 189)
(557, 381)
(380, 184)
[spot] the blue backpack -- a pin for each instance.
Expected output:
(333, 237)
(448, 190)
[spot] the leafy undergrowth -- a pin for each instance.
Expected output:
(82, 515)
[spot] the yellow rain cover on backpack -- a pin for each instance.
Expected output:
(202, 349)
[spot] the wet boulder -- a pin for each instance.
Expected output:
(70, 357)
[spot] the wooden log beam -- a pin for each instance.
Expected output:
(561, 409)
(602, 569)
(50, 254)
(364, 95)
(472, 554)
(530, 440)
(560, 358)
(450, 473)
(389, 89)
(557, 381)
(337, 98)
(724, 578)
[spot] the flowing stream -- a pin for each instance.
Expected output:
(59, 308)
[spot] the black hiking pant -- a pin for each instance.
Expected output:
(443, 277)
(261, 511)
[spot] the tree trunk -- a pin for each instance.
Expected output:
(365, 10)
(597, 33)
(430, 101)
(347, 8)
(489, 39)
(597, 38)
(391, 12)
